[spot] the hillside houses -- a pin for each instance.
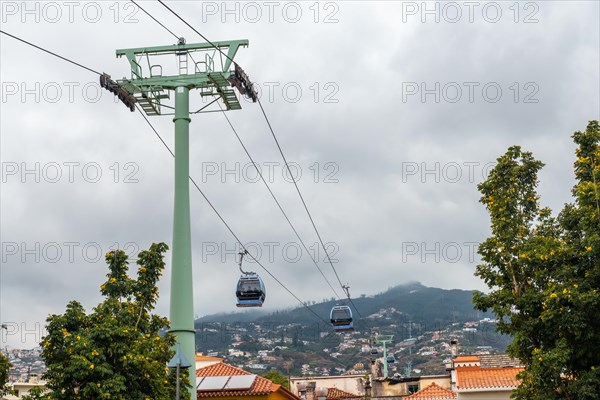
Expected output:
(288, 347)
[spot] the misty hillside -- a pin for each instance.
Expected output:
(421, 304)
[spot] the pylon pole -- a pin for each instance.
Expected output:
(385, 363)
(181, 312)
(214, 79)
(384, 339)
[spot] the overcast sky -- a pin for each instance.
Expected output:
(391, 113)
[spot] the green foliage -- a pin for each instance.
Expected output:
(4, 373)
(35, 393)
(544, 273)
(277, 377)
(115, 352)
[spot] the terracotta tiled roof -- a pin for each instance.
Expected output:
(486, 378)
(260, 387)
(432, 392)
(221, 369)
(335, 393)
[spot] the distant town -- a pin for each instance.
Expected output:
(261, 348)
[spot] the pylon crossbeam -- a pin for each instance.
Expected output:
(152, 90)
(229, 47)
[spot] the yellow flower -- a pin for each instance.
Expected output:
(565, 291)
(588, 248)
(540, 359)
(553, 296)
(92, 366)
(575, 285)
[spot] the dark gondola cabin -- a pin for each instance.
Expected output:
(391, 359)
(341, 319)
(250, 291)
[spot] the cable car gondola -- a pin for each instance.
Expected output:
(374, 351)
(341, 319)
(250, 290)
(391, 359)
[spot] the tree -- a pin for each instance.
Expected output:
(35, 393)
(277, 377)
(117, 351)
(4, 373)
(544, 273)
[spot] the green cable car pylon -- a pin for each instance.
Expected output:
(384, 340)
(151, 89)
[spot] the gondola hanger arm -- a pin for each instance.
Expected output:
(242, 254)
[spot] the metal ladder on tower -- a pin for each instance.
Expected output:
(183, 63)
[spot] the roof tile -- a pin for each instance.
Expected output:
(335, 393)
(487, 378)
(432, 392)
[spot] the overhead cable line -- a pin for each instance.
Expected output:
(216, 47)
(276, 201)
(180, 40)
(284, 159)
(299, 193)
(190, 178)
(344, 287)
(229, 228)
(195, 30)
(157, 21)
(50, 52)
